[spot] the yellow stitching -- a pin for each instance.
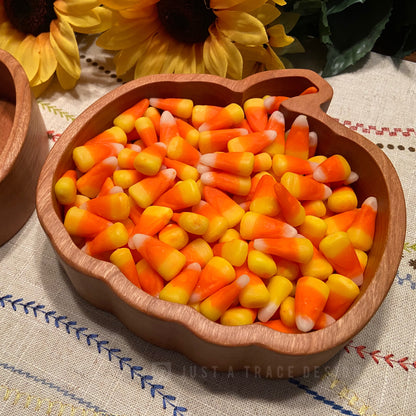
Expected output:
(350, 396)
(17, 397)
(28, 400)
(25, 400)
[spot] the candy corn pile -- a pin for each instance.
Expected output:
(225, 209)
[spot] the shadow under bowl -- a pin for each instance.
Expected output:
(179, 327)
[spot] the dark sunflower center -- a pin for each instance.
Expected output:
(30, 16)
(186, 20)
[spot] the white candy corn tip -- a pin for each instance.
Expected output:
(301, 121)
(169, 173)
(278, 116)
(116, 190)
(194, 298)
(194, 266)
(313, 138)
(319, 174)
(110, 161)
(327, 192)
(201, 168)
(304, 323)
(258, 244)
(154, 101)
(267, 312)
(137, 241)
(353, 177)
(135, 147)
(167, 118)
(242, 281)
(208, 159)
(271, 135)
(371, 201)
(162, 145)
(207, 178)
(118, 147)
(242, 132)
(289, 231)
(358, 280)
(268, 103)
(203, 127)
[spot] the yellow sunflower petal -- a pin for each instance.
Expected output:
(93, 21)
(126, 4)
(153, 62)
(10, 38)
(66, 80)
(48, 61)
(228, 4)
(173, 58)
(127, 58)
(139, 11)
(241, 27)
(28, 54)
(278, 37)
(266, 14)
(186, 63)
(199, 58)
(233, 55)
(125, 34)
(37, 90)
(280, 2)
(215, 58)
(65, 47)
(248, 5)
(77, 7)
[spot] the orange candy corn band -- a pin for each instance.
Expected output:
(230, 210)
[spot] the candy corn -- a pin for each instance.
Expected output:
(226, 209)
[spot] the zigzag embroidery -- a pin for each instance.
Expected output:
(395, 131)
(92, 339)
(376, 355)
(408, 278)
(322, 399)
(54, 387)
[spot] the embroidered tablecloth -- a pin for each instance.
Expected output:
(61, 356)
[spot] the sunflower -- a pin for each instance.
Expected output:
(40, 35)
(230, 38)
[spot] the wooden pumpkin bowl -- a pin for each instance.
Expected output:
(260, 349)
(23, 147)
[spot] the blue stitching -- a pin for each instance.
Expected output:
(53, 386)
(145, 380)
(401, 280)
(320, 398)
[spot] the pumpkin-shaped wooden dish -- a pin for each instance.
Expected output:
(23, 147)
(181, 328)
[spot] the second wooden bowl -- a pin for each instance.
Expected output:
(179, 327)
(23, 150)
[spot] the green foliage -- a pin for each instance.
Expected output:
(350, 29)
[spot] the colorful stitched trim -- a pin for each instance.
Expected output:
(72, 327)
(379, 131)
(55, 110)
(377, 356)
(49, 407)
(322, 399)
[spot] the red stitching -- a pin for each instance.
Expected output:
(53, 136)
(390, 131)
(377, 356)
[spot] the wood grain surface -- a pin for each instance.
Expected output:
(24, 147)
(179, 327)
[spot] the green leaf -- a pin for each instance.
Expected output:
(336, 6)
(337, 60)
